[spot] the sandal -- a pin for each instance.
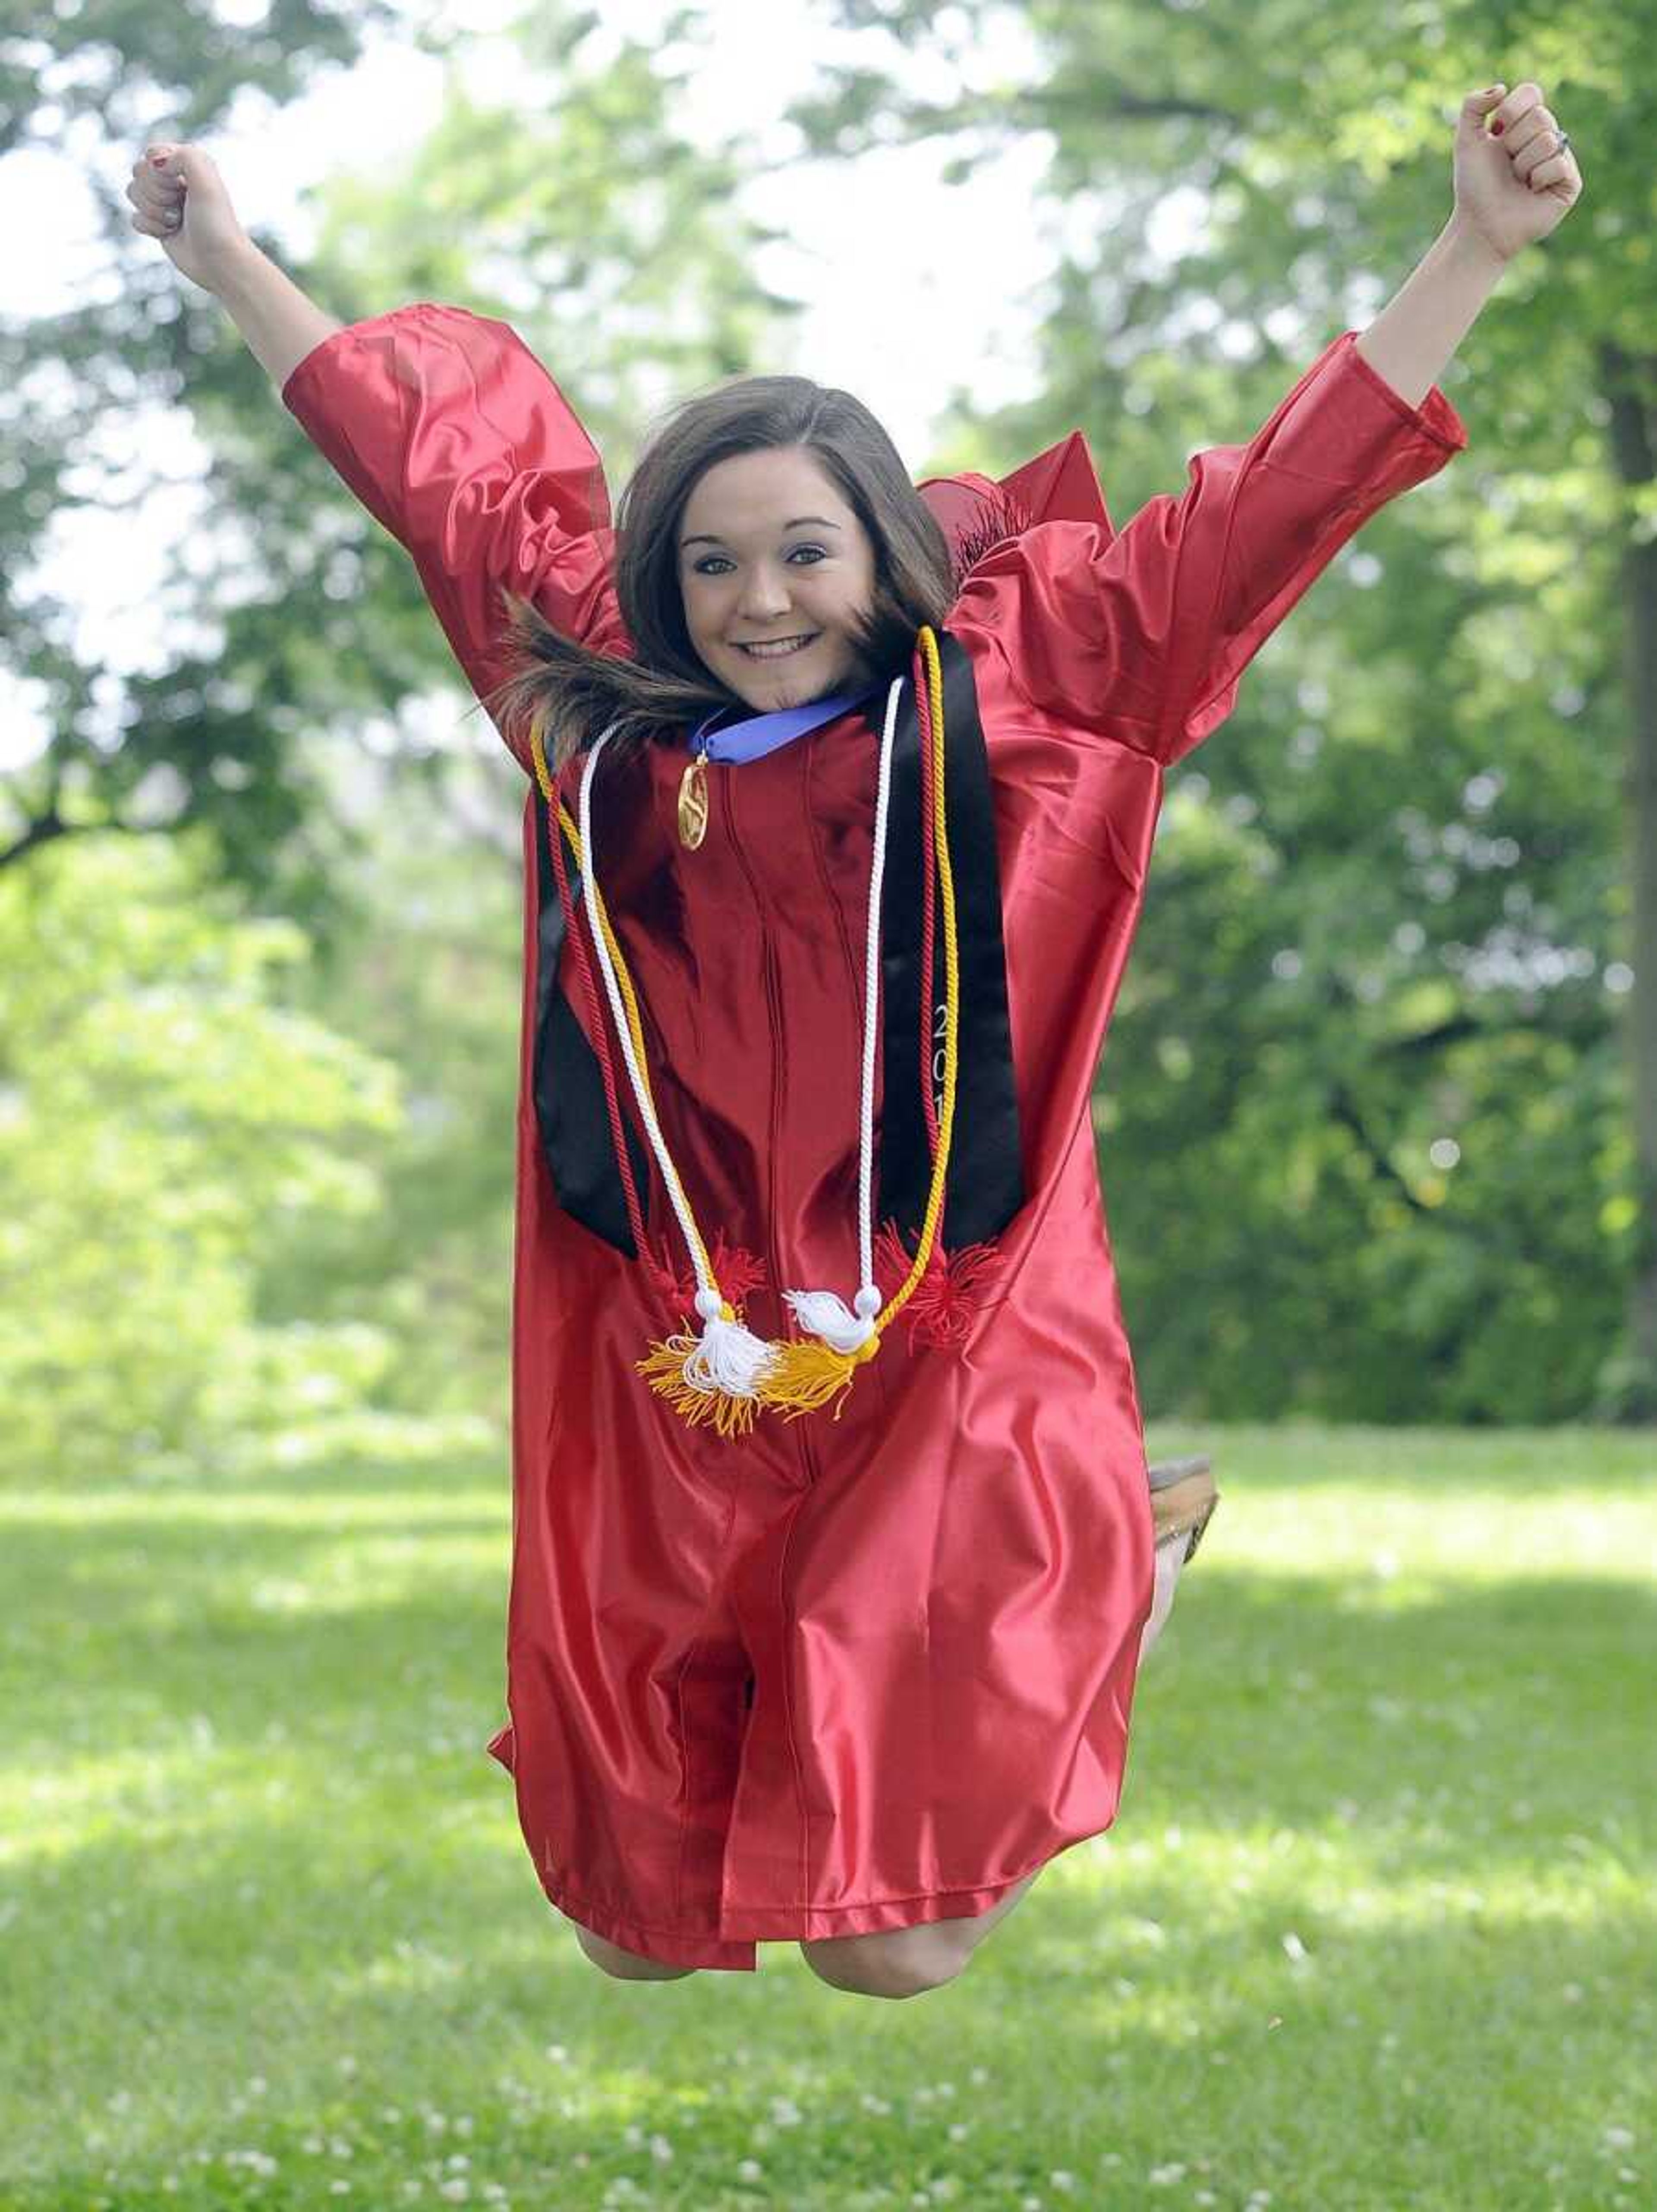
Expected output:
(1182, 1499)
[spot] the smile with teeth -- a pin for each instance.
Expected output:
(777, 648)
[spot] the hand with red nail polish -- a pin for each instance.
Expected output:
(1514, 181)
(179, 197)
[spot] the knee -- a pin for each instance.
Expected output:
(903, 1964)
(627, 1965)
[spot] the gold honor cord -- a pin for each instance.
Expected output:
(799, 1376)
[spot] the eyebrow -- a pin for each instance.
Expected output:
(702, 538)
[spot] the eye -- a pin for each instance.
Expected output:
(702, 567)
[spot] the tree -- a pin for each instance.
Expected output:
(164, 1115)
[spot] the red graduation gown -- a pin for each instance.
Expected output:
(841, 1676)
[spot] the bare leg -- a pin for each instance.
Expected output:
(1170, 1557)
(626, 1965)
(973, 1931)
(903, 1962)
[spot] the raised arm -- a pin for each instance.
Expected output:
(1141, 634)
(442, 423)
(1515, 180)
(178, 196)
(280, 323)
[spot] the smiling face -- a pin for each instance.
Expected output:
(770, 553)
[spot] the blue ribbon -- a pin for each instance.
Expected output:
(756, 735)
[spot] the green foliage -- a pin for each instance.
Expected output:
(164, 1112)
(426, 973)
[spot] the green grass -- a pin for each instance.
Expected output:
(1374, 1927)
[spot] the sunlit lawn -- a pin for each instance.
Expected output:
(1374, 1929)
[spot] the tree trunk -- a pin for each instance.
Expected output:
(1631, 386)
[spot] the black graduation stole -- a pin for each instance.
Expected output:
(986, 1181)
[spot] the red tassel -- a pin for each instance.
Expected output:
(734, 1269)
(949, 1296)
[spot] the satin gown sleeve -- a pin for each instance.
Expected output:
(452, 433)
(1141, 634)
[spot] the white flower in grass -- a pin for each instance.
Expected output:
(1618, 2138)
(750, 2170)
(456, 2192)
(1162, 2177)
(1061, 2180)
(785, 2111)
(959, 2132)
(660, 2149)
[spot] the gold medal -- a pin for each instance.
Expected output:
(693, 802)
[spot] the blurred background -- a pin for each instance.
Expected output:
(1377, 1115)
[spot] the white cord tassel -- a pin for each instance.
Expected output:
(730, 1357)
(822, 1313)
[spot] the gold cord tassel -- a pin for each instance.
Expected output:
(664, 1372)
(806, 1375)
(714, 1377)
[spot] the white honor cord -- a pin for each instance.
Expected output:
(670, 1176)
(871, 999)
(820, 1311)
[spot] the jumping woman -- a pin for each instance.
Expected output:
(835, 1550)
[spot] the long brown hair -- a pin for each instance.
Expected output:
(564, 689)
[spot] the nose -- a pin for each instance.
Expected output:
(765, 596)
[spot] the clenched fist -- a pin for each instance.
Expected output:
(178, 196)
